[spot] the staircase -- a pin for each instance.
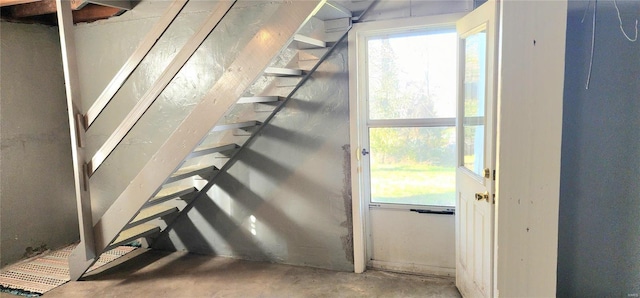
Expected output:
(265, 73)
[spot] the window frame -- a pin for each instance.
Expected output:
(359, 205)
(431, 24)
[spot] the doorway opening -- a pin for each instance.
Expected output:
(406, 89)
(422, 104)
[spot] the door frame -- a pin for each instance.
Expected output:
(357, 36)
(525, 245)
(475, 220)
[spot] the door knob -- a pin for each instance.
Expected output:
(482, 196)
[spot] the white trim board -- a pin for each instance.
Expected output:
(356, 39)
(415, 269)
(530, 96)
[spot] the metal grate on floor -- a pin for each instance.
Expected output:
(45, 273)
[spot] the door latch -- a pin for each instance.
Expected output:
(482, 196)
(364, 152)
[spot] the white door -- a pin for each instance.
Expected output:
(475, 174)
(407, 111)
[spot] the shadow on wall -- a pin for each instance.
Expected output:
(224, 226)
(284, 199)
(598, 245)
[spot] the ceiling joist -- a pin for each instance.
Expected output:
(33, 9)
(94, 12)
(40, 11)
(15, 2)
(122, 4)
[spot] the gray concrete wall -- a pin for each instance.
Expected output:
(599, 246)
(36, 179)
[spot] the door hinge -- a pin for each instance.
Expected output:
(488, 174)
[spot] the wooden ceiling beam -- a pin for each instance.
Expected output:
(122, 4)
(92, 12)
(39, 8)
(88, 12)
(33, 9)
(15, 2)
(78, 4)
(38, 11)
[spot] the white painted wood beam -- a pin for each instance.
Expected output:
(85, 251)
(530, 101)
(160, 84)
(134, 60)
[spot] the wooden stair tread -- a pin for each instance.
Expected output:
(333, 10)
(282, 72)
(174, 191)
(186, 172)
(134, 233)
(153, 212)
(258, 99)
(228, 126)
(193, 170)
(306, 42)
(205, 150)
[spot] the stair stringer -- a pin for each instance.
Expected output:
(164, 235)
(243, 71)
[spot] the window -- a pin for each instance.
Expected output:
(411, 109)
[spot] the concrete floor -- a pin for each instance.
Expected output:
(162, 274)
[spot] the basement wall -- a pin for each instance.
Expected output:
(288, 199)
(37, 203)
(599, 228)
(289, 188)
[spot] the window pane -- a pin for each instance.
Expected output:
(474, 103)
(413, 165)
(412, 76)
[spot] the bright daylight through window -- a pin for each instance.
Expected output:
(412, 108)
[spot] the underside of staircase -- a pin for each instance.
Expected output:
(277, 60)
